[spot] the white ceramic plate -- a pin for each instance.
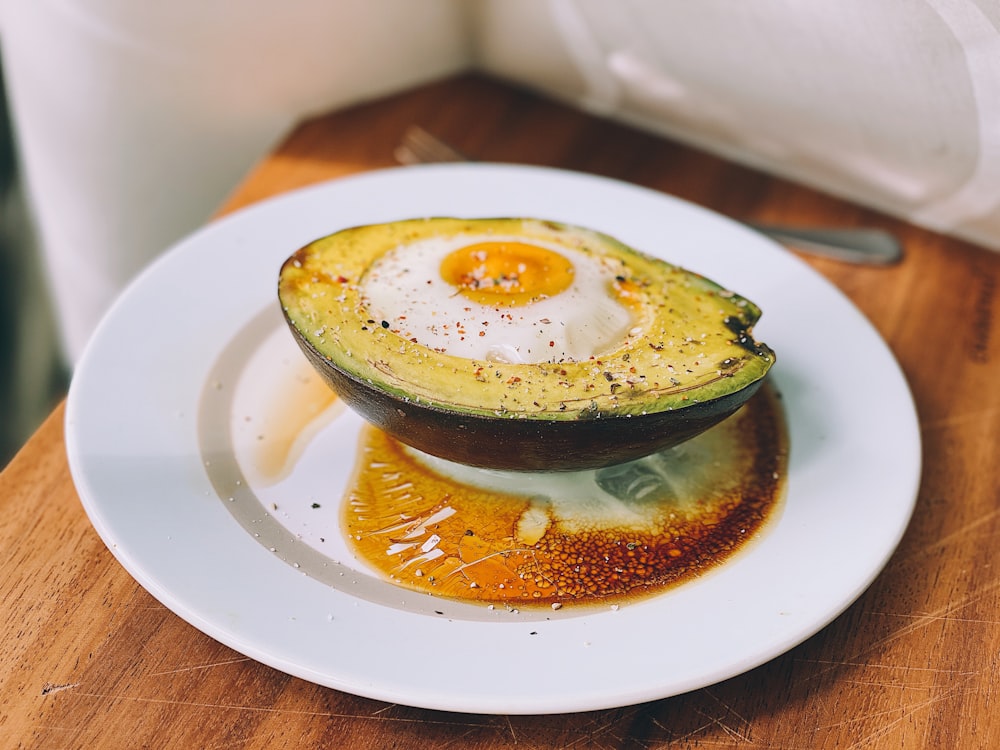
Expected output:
(154, 437)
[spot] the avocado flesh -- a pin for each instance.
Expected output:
(689, 361)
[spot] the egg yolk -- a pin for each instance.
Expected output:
(506, 273)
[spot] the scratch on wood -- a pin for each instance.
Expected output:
(942, 613)
(871, 665)
(943, 618)
(199, 666)
(894, 685)
(588, 741)
(297, 712)
(901, 714)
(687, 735)
(460, 740)
(744, 731)
(725, 726)
(738, 730)
(603, 730)
(49, 687)
(510, 725)
(916, 622)
(958, 420)
(961, 534)
(734, 732)
(591, 741)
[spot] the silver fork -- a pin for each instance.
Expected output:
(853, 245)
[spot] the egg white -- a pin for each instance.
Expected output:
(404, 288)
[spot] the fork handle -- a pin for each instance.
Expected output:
(871, 246)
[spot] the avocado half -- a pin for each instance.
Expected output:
(688, 363)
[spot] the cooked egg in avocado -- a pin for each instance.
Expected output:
(498, 299)
(520, 343)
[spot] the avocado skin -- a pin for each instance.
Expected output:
(585, 429)
(511, 444)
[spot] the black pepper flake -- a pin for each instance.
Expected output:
(385, 323)
(315, 505)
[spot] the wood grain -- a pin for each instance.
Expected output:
(91, 660)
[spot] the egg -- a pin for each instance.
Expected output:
(498, 298)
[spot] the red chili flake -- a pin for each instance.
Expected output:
(552, 343)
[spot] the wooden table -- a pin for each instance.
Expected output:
(89, 659)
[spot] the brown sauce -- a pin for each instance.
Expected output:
(554, 539)
(306, 406)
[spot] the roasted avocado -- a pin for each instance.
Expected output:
(520, 344)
